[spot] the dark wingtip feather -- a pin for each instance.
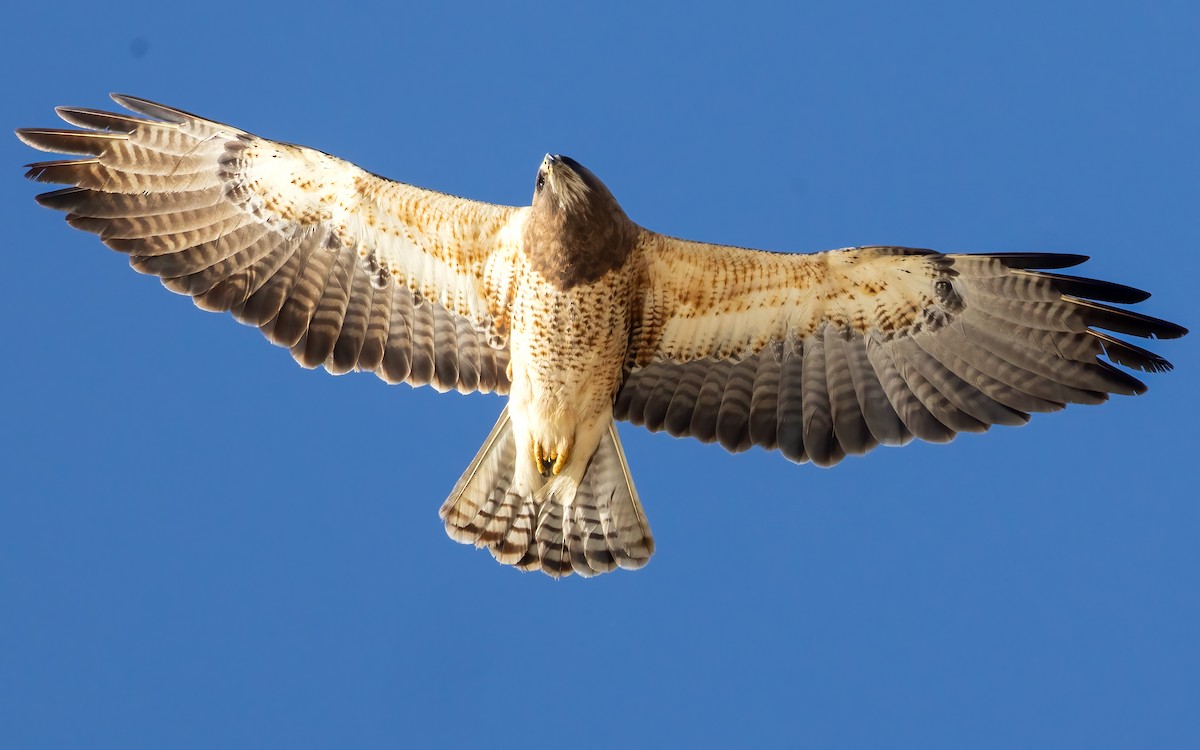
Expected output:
(1105, 291)
(28, 136)
(1126, 321)
(1122, 382)
(99, 120)
(1125, 353)
(153, 109)
(60, 200)
(87, 223)
(1039, 260)
(59, 171)
(76, 142)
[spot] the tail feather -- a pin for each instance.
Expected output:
(553, 534)
(591, 551)
(475, 502)
(609, 486)
(560, 527)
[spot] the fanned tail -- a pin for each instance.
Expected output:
(557, 527)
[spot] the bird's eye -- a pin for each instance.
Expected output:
(541, 181)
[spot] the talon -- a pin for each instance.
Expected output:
(550, 461)
(541, 459)
(535, 449)
(508, 370)
(546, 464)
(562, 455)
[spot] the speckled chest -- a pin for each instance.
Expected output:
(570, 344)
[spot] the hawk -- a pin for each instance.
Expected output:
(582, 317)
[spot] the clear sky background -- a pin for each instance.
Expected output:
(203, 545)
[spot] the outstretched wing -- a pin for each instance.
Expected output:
(830, 354)
(346, 269)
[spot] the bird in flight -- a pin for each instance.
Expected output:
(583, 317)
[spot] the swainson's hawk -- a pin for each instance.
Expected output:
(582, 317)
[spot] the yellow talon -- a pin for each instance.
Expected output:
(562, 455)
(541, 459)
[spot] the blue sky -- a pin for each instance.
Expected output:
(204, 545)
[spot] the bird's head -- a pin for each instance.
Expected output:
(564, 185)
(576, 230)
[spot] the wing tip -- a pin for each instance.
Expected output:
(1120, 320)
(152, 109)
(1105, 291)
(59, 199)
(1040, 261)
(27, 136)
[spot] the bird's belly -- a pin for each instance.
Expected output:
(567, 350)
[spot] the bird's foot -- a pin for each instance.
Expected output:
(551, 461)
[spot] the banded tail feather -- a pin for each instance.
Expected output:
(556, 528)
